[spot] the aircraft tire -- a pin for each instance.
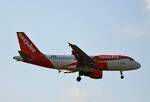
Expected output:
(122, 77)
(78, 78)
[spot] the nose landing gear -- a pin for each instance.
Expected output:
(121, 73)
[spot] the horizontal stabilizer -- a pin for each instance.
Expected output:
(25, 56)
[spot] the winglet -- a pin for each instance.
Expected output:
(69, 44)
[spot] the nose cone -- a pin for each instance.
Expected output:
(137, 65)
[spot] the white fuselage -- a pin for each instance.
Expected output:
(63, 62)
(68, 62)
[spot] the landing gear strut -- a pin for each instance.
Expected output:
(121, 73)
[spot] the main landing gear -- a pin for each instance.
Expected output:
(81, 73)
(78, 78)
(121, 73)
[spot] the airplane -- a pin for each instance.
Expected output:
(79, 61)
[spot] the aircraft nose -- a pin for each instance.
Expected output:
(138, 65)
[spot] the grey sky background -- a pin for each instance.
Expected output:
(96, 26)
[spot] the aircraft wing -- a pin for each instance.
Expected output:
(82, 58)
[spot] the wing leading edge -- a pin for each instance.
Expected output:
(82, 58)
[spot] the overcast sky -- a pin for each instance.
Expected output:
(97, 27)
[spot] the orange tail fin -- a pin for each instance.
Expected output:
(26, 45)
(30, 53)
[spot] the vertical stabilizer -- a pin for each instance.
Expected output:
(27, 46)
(30, 53)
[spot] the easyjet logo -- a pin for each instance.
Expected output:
(25, 41)
(109, 57)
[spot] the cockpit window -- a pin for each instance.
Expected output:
(131, 59)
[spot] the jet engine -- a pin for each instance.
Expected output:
(94, 75)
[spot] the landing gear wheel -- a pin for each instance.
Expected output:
(122, 77)
(78, 78)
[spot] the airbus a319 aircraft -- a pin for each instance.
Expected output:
(79, 61)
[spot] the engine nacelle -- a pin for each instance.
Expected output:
(101, 65)
(96, 75)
